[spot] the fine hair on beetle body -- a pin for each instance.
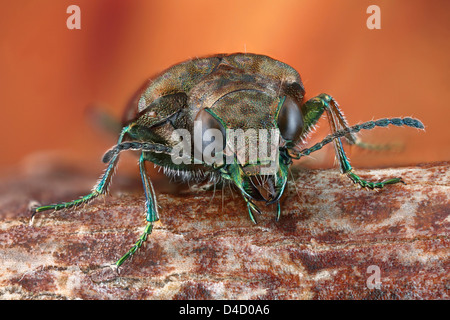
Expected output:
(239, 118)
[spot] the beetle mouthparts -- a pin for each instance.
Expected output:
(263, 189)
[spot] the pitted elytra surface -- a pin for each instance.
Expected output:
(205, 246)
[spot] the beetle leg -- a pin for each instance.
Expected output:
(150, 198)
(138, 244)
(337, 117)
(151, 211)
(314, 109)
(100, 188)
(337, 121)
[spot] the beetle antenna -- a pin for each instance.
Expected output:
(134, 145)
(369, 125)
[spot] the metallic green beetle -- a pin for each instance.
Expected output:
(228, 92)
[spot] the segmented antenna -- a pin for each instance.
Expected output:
(134, 145)
(369, 125)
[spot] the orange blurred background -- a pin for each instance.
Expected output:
(50, 75)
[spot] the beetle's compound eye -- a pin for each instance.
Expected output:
(290, 120)
(212, 138)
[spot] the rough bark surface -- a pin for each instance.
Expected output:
(206, 247)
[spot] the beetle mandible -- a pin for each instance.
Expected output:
(226, 92)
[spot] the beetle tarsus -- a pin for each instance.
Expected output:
(372, 185)
(137, 245)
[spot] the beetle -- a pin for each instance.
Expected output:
(222, 93)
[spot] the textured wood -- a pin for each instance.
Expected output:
(206, 247)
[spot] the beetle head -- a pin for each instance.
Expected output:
(254, 130)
